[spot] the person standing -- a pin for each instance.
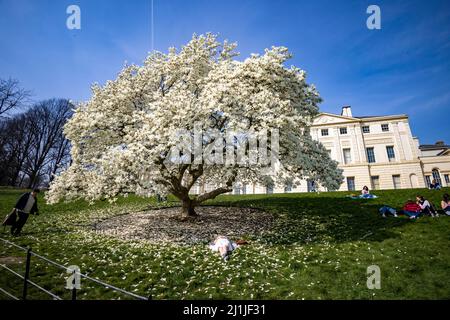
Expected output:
(26, 205)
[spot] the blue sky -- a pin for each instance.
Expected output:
(402, 68)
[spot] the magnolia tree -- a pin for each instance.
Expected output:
(127, 137)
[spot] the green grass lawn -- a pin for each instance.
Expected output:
(320, 248)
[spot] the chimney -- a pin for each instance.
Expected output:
(346, 111)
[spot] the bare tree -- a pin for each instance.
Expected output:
(15, 143)
(12, 96)
(47, 120)
(59, 156)
(32, 144)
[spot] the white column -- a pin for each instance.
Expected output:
(337, 143)
(398, 142)
(359, 141)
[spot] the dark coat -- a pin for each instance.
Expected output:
(22, 202)
(10, 219)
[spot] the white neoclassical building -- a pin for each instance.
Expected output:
(380, 151)
(375, 151)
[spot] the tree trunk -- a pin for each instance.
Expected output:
(188, 209)
(32, 180)
(30, 183)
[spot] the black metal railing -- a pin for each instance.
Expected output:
(26, 277)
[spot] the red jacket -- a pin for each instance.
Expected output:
(411, 206)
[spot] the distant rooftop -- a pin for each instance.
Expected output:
(381, 116)
(347, 112)
(437, 146)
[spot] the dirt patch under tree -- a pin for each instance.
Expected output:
(165, 226)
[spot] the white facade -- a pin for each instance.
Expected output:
(383, 152)
(379, 152)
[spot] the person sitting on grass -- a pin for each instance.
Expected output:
(365, 191)
(411, 209)
(445, 204)
(435, 185)
(425, 206)
(224, 246)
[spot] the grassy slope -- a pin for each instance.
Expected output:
(319, 249)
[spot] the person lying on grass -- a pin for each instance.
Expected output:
(411, 209)
(386, 210)
(224, 246)
(426, 207)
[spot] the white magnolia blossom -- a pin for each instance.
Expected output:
(123, 135)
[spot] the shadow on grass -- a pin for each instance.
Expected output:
(311, 220)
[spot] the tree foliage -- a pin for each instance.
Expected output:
(123, 136)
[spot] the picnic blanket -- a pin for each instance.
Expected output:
(363, 196)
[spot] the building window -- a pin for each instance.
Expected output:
(244, 189)
(343, 130)
(351, 183)
(396, 181)
(436, 176)
(370, 155)
(385, 127)
(311, 185)
(375, 180)
(366, 129)
(288, 187)
(347, 156)
(269, 188)
(390, 153)
(237, 189)
(428, 181)
(324, 132)
(447, 179)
